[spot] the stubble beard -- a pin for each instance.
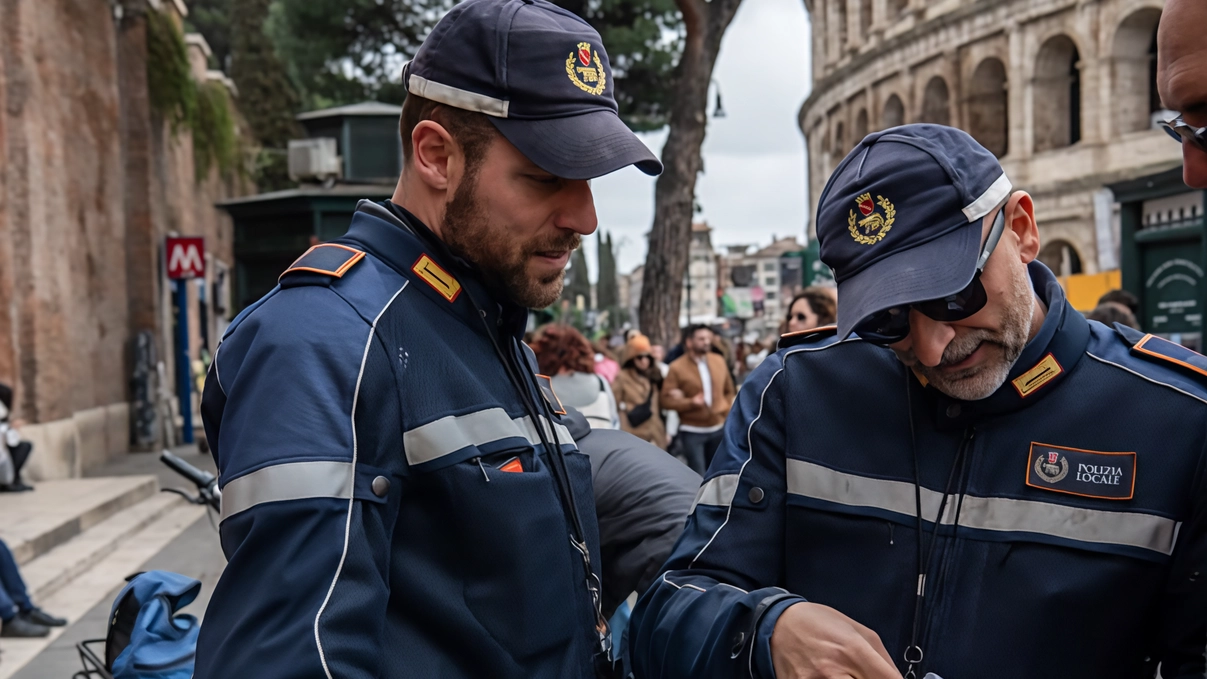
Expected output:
(468, 232)
(1005, 345)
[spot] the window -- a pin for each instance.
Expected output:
(768, 266)
(987, 107)
(936, 102)
(1057, 84)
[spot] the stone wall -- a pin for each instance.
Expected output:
(1060, 90)
(77, 278)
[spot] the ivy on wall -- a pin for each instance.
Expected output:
(180, 101)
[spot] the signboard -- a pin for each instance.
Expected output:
(186, 258)
(1173, 289)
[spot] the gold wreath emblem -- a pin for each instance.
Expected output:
(873, 228)
(589, 79)
(1051, 472)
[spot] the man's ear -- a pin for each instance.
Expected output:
(1020, 218)
(433, 155)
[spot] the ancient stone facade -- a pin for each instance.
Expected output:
(90, 183)
(1061, 90)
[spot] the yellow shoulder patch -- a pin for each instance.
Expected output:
(440, 280)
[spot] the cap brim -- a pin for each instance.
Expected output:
(932, 270)
(584, 146)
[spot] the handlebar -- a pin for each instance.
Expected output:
(207, 484)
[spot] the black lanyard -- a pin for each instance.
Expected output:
(913, 652)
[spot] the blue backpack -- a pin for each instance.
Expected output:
(147, 638)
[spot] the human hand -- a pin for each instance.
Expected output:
(812, 641)
(698, 399)
(676, 393)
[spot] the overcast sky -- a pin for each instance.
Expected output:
(753, 186)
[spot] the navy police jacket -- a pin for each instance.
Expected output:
(389, 507)
(1072, 544)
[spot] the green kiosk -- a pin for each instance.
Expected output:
(351, 152)
(1164, 252)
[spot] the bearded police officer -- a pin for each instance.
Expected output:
(964, 478)
(401, 498)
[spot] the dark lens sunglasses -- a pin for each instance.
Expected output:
(1179, 130)
(892, 325)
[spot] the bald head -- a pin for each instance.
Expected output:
(1182, 75)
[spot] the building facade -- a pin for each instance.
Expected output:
(1062, 91)
(699, 303)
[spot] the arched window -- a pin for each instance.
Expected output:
(842, 26)
(988, 120)
(896, 7)
(1061, 257)
(1134, 65)
(936, 105)
(1057, 98)
(865, 17)
(894, 113)
(840, 139)
(861, 127)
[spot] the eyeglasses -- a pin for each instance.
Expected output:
(1179, 130)
(892, 325)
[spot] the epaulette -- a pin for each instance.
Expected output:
(793, 339)
(1161, 350)
(329, 260)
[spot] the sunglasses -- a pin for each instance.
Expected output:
(1180, 131)
(892, 325)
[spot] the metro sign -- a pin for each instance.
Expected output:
(186, 258)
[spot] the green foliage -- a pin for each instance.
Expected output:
(607, 292)
(213, 126)
(170, 86)
(644, 39)
(347, 51)
(266, 98)
(211, 18)
(577, 282)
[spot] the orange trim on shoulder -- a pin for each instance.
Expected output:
(561, 409)
(338, 273)
(810, 331)
(1140, 348)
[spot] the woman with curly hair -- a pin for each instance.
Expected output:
(567, 358)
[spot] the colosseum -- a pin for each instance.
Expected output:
(1061, 90)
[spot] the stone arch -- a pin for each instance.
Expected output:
(1056, 104)
(1061, 257)
(895, 8)
(936, 102)
(894, 113)
(1134, 71)
(988, 106)
(865, 17)
(840, 139)
(861, 127)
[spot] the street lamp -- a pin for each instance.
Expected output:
(719, 111)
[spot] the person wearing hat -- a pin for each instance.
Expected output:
(636, 391)
(401, 497)
(965, 479)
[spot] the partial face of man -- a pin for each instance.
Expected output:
(518, 223)
(1182, 76)
(971, 358)
(700, 342)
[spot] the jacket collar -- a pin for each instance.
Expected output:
(407, 245)
(1041, 369)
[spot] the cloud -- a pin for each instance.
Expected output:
(754, 179)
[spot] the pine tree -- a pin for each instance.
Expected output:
(577, 281)
(266, 98)
(608, 291)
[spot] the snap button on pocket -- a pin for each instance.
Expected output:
(756, 495)
(380, 486)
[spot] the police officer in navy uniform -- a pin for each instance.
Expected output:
(400, 495)
(964, 478)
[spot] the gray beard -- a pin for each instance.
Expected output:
(983, 380)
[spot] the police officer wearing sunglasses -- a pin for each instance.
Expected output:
(1182, 82)
(965, 477)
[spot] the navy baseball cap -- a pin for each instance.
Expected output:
(899, 222)
(540, 74)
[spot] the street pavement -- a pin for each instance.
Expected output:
(184, 541)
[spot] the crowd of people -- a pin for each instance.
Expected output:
(676, 400)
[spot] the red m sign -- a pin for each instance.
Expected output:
(186, 257)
